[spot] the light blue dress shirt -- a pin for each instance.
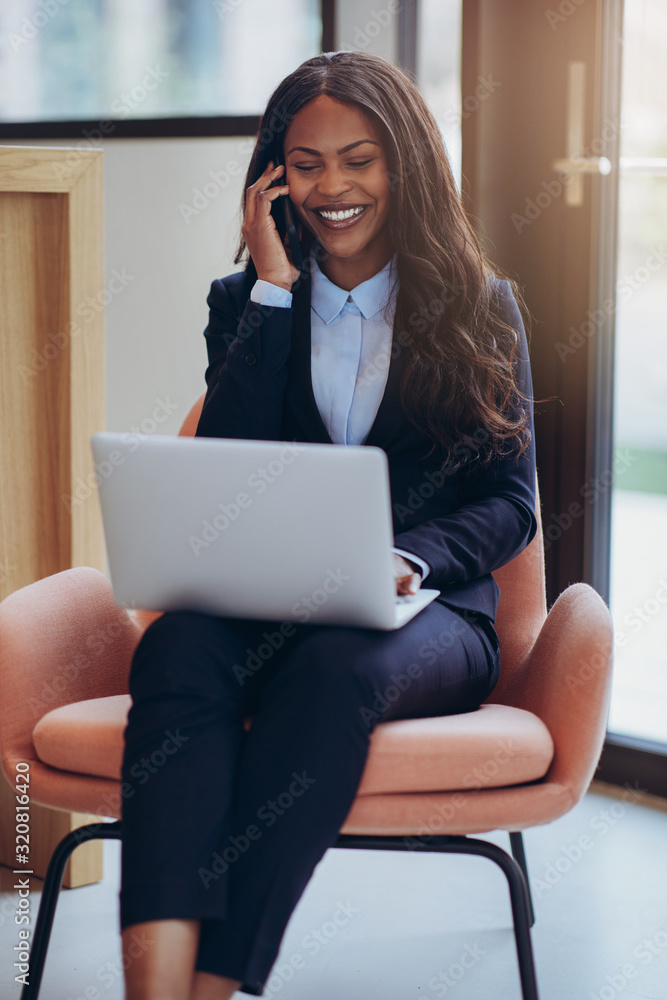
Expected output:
(351, 336)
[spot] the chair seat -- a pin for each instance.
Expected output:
(492, 747)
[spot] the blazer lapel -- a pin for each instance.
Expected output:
(299, 389)
(299, 393)
(389, 416)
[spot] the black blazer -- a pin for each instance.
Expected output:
(259, 386)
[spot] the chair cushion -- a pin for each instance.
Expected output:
(85, 737)
(491, 747)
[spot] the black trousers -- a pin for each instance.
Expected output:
(226, 825)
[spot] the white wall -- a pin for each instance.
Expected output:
(168, 256)
(172, 222)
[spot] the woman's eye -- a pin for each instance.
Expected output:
(353, 163)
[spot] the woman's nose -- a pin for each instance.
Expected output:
(332, 182)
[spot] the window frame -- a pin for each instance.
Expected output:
(198, 126)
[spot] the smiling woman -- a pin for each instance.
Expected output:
(453, 384)
(341, 193)
(395, 333)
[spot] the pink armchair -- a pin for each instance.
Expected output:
(524, 758)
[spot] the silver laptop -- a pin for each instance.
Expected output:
(280, 531)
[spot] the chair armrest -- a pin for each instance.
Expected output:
(566, 682)
(62, 639)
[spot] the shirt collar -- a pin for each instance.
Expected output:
(370, 296)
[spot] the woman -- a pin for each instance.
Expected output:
(397, 333)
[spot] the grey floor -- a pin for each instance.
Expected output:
(395, 926)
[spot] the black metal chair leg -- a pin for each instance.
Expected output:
(520, 914)
(52, 885)
(519, 855)
(516, 880)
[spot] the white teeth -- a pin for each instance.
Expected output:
(336, 216)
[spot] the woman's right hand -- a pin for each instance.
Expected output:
(272, 259)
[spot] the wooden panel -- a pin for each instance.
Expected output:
(86, 360)
(31, 169)
(34, 385)
(51, 402)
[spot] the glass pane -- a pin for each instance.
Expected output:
(94, 59)
(639, 498)
(439, 71)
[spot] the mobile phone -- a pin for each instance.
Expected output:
(288, 217)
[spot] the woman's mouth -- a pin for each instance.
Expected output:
(342, 219)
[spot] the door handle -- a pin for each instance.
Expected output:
(584, 165)
(575, 164)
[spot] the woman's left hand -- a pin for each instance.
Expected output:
(407, 579)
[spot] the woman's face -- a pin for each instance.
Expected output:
(335, 162)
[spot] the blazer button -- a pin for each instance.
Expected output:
(250, 359)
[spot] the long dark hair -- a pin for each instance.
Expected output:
(459, 386)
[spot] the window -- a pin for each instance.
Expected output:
(639, 499)
(69, 60)
(439, 71)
